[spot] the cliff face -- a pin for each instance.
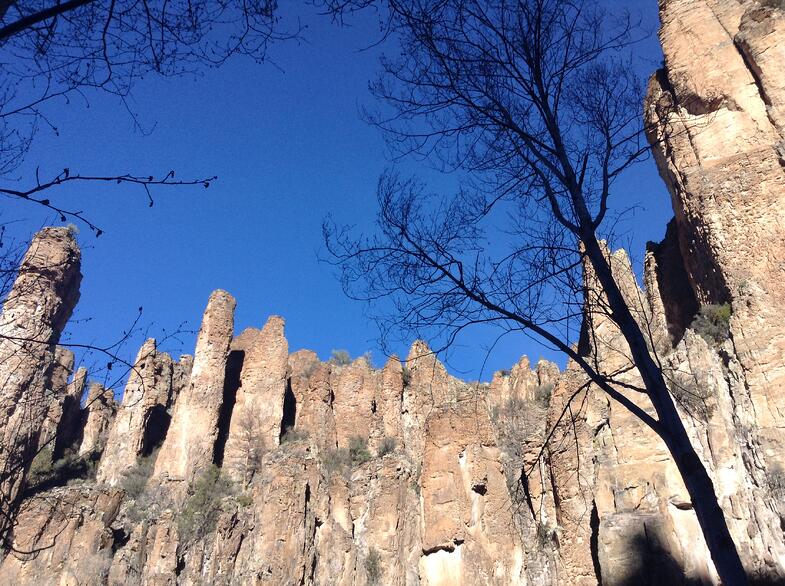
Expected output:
(247, 464)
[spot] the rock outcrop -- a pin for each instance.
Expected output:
(33, 317)
(190, 439)
(99, 411)
(144, 414)
(280, 468)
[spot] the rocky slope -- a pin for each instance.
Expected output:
(248, 464)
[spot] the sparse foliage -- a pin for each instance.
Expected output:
(336, 461)
(542, 393)
(358, 450)
(292, 434)
(775, 478)
(250, 444)
(373, 566)
(406, 376)
(713, 322)
(202, 508)
(386, 446)
(135, 479)
(340, 358)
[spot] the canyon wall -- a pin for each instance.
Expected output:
(248, 464)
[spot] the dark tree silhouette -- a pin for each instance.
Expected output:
(54, 50)
(535, 104)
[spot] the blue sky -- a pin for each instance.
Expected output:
(289, 146)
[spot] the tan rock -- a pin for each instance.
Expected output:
(55, 394)
(70, 426)
(354, 405)
(259, 399)
(469, 536)
(98, 413)
(314, 399)
(190, 440)
(34, 314)
(143, 416)
(70, 532)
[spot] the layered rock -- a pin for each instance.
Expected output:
(63, 539)
(469, 534)
(68, 435)
(716, 122)
(34, 314)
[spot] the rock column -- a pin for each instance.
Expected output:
(34, 314)
(145, 401)
(190, 441)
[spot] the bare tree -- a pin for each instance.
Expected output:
(250, 449)
(535, 104)
(58, 51)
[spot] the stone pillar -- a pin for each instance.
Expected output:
(142, 413)
(98, 413)
(55, 393)
(259, 400)
(190, 441)
(34, 314)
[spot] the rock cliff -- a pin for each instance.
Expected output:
(248, 464)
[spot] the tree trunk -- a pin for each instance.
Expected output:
(694, 474)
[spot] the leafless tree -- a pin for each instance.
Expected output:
(250, 445)
(534, 104)
(58, 51)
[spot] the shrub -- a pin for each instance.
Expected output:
(546, 536)
(373, 566)
(386, 446)
(290, 434)
(775, 478)
(40, 467)
(45, 474)
(713, 323)
(406, 376)
(135, 479)
(358, 450)
(692, 392)
(199, 515)
(542, 393)
(336, 461)
(340, 358)
(245, 500)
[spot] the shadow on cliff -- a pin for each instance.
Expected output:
(647, 562)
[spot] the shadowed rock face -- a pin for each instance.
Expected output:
(258, 401)
(99, 411)
(34, 314)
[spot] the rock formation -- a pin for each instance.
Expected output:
(34, 314)
(190, 440)
(143, 416)
(280, 468)
(99, 412)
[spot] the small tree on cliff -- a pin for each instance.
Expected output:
(535, 102)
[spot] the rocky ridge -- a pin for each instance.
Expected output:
(248, 464)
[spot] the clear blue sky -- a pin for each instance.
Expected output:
(289, 147)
